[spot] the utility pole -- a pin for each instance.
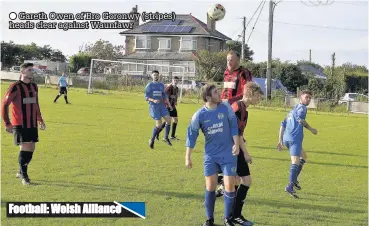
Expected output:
(270, 43)
(243, 38)
(310, 55)
(333, 63)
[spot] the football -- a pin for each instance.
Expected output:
(216, 12)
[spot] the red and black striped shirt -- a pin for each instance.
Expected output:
(172, 92)
(23, 101)
(234, 82)
(242, 114)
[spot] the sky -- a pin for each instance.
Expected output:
(295, 31)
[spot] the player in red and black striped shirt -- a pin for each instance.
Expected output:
(22, 97)
(251, 96)
(235, 79)
(172, 92)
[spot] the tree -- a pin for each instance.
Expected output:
(78, 61)
(292, 77)
(104, 50)
(237, 46)
(210, 66)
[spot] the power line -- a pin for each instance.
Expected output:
(318, 3)
(255, 12)
(318, 26)
(236, 31)
(255, 22)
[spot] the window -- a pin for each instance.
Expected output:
(143, 42)
(165, 43)
(188, 43)
(191, 67)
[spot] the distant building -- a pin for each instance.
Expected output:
(172, 43)
(49, 65)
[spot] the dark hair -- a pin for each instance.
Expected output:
(155, 71)
(206, 92)
(26, 65)
(306, 92)
(232, 52)
(175, 77)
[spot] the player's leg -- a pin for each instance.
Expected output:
(244, 177)
(57, 96)
(65, 95)
(210, 171)
(26, 139)
(295, 152)
(174, 116)
(155, 114)
(302, 162)
(167, 118)
(161, 129)
(229, 169)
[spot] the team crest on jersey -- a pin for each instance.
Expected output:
(220, 116)
(234, 169)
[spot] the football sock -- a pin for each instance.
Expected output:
(293, 173)
(209, 203)
(228, 203)
(162, 126)
(167, 129)
(155, 131)
(24, 158)
(240, 200)
(302, 162)
(66, 99)
(56, 98)
(174, 129)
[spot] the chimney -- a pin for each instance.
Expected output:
(210, 23)
(135, 23)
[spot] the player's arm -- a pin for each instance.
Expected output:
(7, 100)
(148, 94)
(192, 135)
(232, 118)
(245, 77)
(301, 115)
(166, 99)
(280, 135)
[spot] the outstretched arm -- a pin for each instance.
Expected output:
(192, 134)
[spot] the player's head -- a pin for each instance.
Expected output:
(155, 75)
(252, 93)
(27, 71)
(305, 97)
(233, 60)
(211, 94)
(175, 80)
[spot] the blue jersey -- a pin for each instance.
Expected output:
(218, 125)
(156, 91)
(62, 82)
(294, 130)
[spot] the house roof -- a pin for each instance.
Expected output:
(199, 28)
(180, 56)
(316, 72)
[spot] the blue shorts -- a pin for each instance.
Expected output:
(214, 164)
(294, 147)
(158, 111)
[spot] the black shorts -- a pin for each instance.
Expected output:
(173, 113)
(23, 135)
(242, 166)
(63, 90)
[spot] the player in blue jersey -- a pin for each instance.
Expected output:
(218, 122)
(294, 135)
(156, 96)
(62, 85)
(303, 157)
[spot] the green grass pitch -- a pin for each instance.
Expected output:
(96, 149)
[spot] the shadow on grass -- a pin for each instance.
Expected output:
(308, 151)
(182, 195)
(316, 163)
